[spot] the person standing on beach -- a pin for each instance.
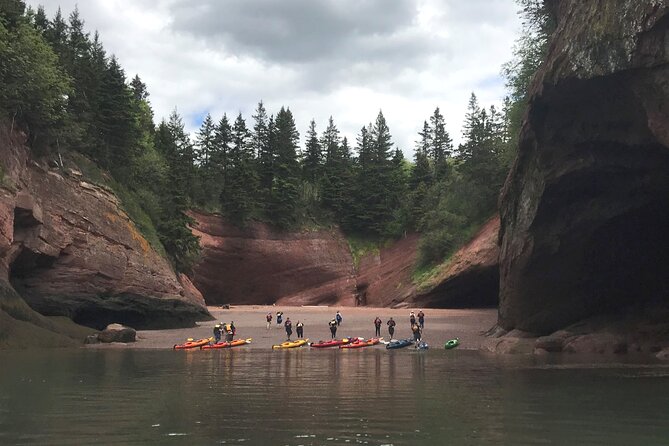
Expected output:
(279, 317)
(415, 328)
(421, 319)
(338, 318)
(289, 327)
(377, 326)
(217, 333)
(412, 318)
(333, 328)
(391, 327)
(269, 320)
(300, 329)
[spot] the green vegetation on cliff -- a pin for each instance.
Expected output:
(58, 84)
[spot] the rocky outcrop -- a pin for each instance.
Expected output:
(258, 265)
(70, 250)
(470, 278)
(585, 209)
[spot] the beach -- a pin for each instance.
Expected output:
(249, 320)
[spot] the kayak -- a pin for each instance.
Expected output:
(399, 343)
(291, 344)
(362, 343)
(452, 343)
(226, 344)
(190, 343)
(331, 343)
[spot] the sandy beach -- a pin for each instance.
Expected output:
(440, 325)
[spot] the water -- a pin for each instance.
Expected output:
(331, 397)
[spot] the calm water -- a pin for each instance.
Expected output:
(303, 397)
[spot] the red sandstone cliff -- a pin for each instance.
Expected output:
(70, 250)
(261, 266)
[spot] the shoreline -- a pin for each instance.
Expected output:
(440, 325)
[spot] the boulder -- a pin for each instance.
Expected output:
(117, 333)
(600, 343)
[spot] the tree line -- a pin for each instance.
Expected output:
(58, 84)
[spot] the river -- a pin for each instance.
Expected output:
(329, 397)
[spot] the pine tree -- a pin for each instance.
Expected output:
(173, 228)
(264, 150)
(204, 140)
(441, 145)
(312, 162)
(421, 172)
(238, 197)
(379, 200)
(336, 171)
(282, 205)
(139, 91)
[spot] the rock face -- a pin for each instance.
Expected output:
(260, 266)
(585, 209)
(471, 277)
(70, 250)
(384, 278)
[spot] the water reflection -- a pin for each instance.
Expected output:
(322, 397)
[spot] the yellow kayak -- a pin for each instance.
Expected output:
(291, 344)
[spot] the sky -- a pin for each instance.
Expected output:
(342, 58)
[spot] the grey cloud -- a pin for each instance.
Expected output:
(296, 31)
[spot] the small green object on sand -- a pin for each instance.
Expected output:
(452, 343)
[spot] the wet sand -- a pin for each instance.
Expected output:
(440, 325)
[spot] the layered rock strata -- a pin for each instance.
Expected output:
(69, 249)
(585, 209)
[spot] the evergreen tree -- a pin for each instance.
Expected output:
(204, 140)
(238, 197)
(284, 195)
(41, 21)
(421, 172)
(441, 145)
(380, 195)
(33, 87)
(139, 91)
(264, 150)
(173, 228)
(336, 171)
(313, 155)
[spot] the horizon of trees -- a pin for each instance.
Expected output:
(60, 86)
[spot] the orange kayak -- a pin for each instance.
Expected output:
(225, 344)
(361, 344)
(192, 344)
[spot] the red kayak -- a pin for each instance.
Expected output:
(360, 344)
(225, 344)
(331, 343)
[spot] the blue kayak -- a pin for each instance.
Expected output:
(400, 343)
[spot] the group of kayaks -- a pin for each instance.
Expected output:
(345, 343)
(207, 343)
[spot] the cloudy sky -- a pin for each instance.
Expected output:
(345, 58)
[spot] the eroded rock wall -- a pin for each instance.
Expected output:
(585, 209)
(260, 266)
(70, 250)
(470, 278)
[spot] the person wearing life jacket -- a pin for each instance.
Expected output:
(217, 333)
(229, 334)
(412, 318)
(415, 328)
(391, 327)
(279, 317)
(333, 327)
(289, 327)
(300, 329)
(269, 320)
(338, 318)
(377, 326)
(421, 319)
